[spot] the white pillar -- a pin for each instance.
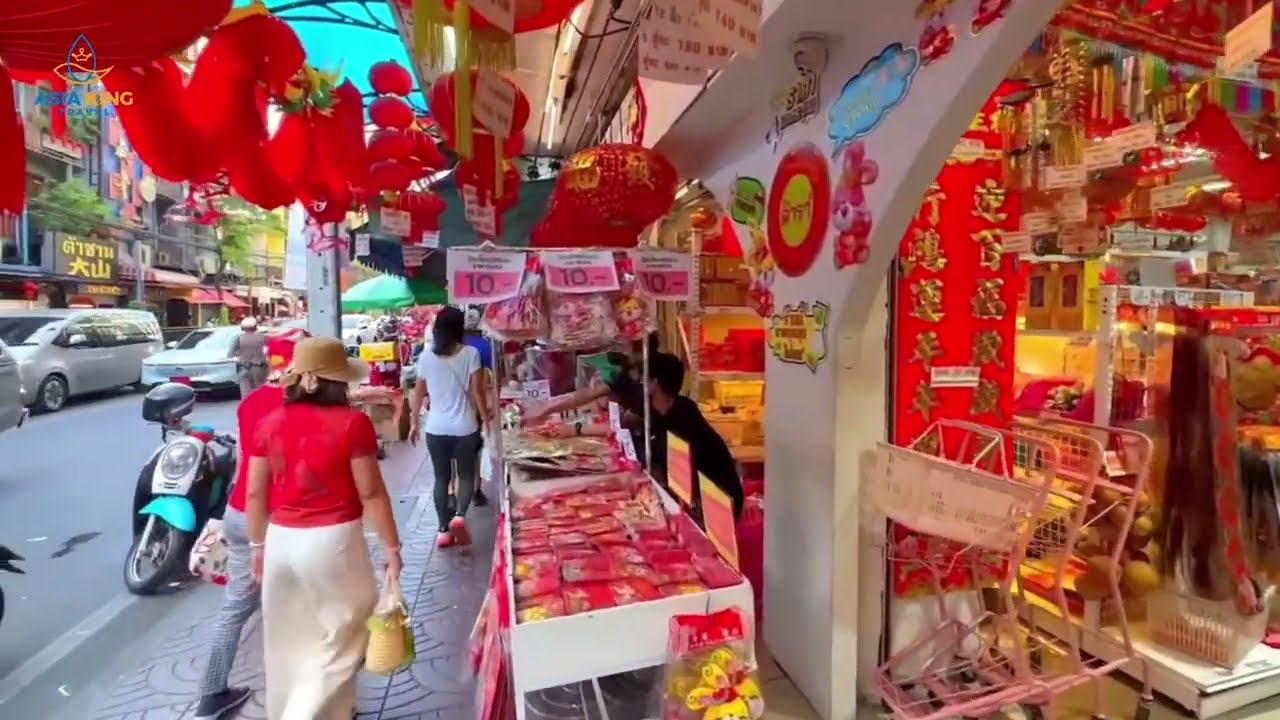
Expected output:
(324, 311)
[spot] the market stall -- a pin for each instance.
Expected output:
(594, 557)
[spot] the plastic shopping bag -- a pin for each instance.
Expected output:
(711, 668)
(209, 556)
(391, 645)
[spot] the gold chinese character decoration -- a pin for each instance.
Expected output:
(987, 303)
(988, 201)
(925, 251)
(987, 345)
(991, 243)
(928, 347)
(986, 398)
(924, 400)
(926, 300)
(931, 209)
(638, 170)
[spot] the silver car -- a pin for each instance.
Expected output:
(64, 353)
(12, 412)
(202, 360)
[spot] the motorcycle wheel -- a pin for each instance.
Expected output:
(155, 556)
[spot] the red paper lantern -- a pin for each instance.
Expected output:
(424, 208)
(391, 112)
(443, 101)
(389, 176)
(617, 186)
(390, 144)
(426, 150)
(389, 78)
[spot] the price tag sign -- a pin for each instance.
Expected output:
(395, 222)
(717, 516)
(414, 255)
(1168, 196)
(378, 352)
(480, 277)
(679, 469)
(1182, 298)
(362, 244)
(628, 446)
(494, 102)
(1140, 296)
(1064, 176)
(663, 274)
(1073, 209)
(1037, 223)
(481, 217)
(1234, 298)
(615, 417)
(431, 239)
(735, 23)
(1016, 243)
(1135, 137)
(1247, 41)
(587, 271)
(1103, 155)
(537, 391)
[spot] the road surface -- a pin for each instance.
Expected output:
(66, 486)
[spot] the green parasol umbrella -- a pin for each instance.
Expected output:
(380, 293)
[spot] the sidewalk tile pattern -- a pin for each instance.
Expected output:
(444, 589)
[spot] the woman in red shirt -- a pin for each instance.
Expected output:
(314, 463)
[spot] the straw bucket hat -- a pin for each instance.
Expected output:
(322, 358)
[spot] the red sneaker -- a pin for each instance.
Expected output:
(458, 528)
(444, 539)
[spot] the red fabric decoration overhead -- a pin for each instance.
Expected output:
(37, 35)
(1254, 178)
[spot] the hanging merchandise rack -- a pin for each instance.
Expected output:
(990, 501)
(1132, 321)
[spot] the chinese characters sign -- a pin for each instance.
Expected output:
(798, 335)
(87, 259)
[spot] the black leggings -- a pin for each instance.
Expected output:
(445, 450)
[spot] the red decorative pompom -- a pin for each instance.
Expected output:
(390, 112)
(389, 78)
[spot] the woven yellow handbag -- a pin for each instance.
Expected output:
(391, 646)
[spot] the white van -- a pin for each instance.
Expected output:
(64, 353)
(12, 412)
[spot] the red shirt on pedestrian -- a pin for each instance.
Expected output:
(253, 408)
(309, 449)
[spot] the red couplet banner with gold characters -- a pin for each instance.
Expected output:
(956, 297)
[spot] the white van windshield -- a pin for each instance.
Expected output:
(17, 330)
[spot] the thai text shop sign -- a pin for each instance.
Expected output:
(86, 259)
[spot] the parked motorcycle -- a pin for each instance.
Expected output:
(184, 483)
(7, 557)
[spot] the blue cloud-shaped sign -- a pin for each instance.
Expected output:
(868, 97)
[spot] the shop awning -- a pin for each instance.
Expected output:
(157, 276)
(211, 296)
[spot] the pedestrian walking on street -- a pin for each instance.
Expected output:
(249, 349)
(313, 476)
(242, 596)
(449, 381)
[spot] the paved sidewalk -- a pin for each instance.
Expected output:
(444, 588)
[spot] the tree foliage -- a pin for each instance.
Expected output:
(69, 206)
(240, 224)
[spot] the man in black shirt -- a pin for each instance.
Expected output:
(670, 412)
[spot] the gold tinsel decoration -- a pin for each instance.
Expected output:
(488, 48)
(1068, 65)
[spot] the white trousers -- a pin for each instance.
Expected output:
(318, 590)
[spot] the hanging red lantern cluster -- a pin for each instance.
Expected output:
(391, 150)
(424, 208)
(39, 37)
(614, 191)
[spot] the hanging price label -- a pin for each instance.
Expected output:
(1182, 298)
(1249, 40)
(663, 274)
(395, 222)
(615, 417)
(362, 244)
(1063, 176)
(1137, 136)
(479, 277)
(431, 239)
(1016, 243)
(414, 255)
(538, 391)
(587, 271)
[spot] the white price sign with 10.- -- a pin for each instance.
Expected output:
(537, 390)
(663, 274)
(585, 271)
(484, 276)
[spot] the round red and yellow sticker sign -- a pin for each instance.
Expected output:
(799, 209)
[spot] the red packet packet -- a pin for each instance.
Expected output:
(542, 584)
(614, 538)
(595, 510)
(715, 573)
(543, 607)
(526, 566)
(566, 539)
(574, 551)
(676, 572)
(687, 588)
(600, 525)
(587, 597)
(624, 553)
(633, 590)
(600, 568)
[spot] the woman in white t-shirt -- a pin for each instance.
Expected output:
(449, 381)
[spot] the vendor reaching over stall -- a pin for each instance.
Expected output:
(671, 412)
